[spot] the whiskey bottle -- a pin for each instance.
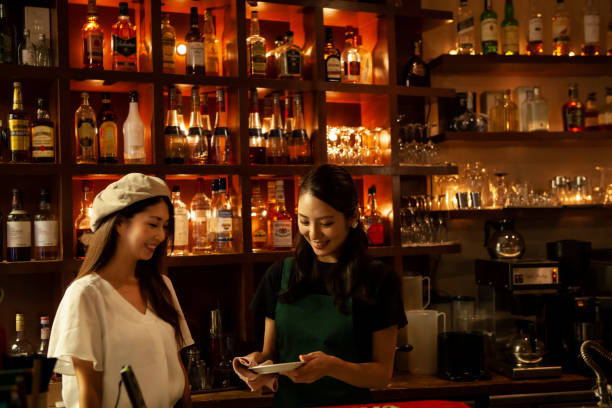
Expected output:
(8, 37)
(535, 34)
(256, 49)
(273, 59)
(417, 73)
(605, 115)
(123, 42)
(351, 60)
(225, 239)
(259, 231)
(591, 113)
(257, 149)
(267, 115)
(86, 132)
(168, 41)
(206, 125)
(289, 120)
(197, 139)
(271, 206)
(299, 143)
(200, 208)
(82, 224)
(561, 29)
(465, 29)
(194, 59)
(43, 52)
(21, 347)
(45, 332)
(93, 39)
(373, 222)
(18, 230)
(573, 111)
(211, 45)
(43, 135)
(275, 145)
(179, 113)
(510, 29)
(175, 140)
(133, 134)
(180, 239)
(290, 58)
(45, 230)
(108, 131)
(591, 22)
(280, 222)
(333, 65)
(221, 138)
(488, 30)
(19, 127)
(26, 53)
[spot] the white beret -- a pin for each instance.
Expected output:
(124, 192)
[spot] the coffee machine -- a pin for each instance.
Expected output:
(513, 294)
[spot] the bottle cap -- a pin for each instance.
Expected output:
(133, 95)
(123, 9)
(176, 189)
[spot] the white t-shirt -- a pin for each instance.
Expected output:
(95, 323)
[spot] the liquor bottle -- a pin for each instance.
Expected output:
(197, 139)
(221, 138)
(333, 65)
(373, 221)
(43, 52)
(271, 205)
(257, 149)
(200, 208)
(280, 222)
(82, 224)
(179, 113)
(591, 22)
(535, 34)
(509, 113)
(21, 346)
(366, 61)
(43, 135)
(510, 28)
(5, 153)
(256, 49)
(93, 39)
(18, 230)
(299, 144)
(288, 124)
(591, 113)
(416, 73)
(86, 132)
(561, 29)
(488, 30)
(465, 29)
(259, 230)
(45, 332)
(107, 134)
(194, 59)
(573, 111)
(351, 60)
(275, 145)
(225, 239)
(537, 112)
(168, 41)
(290, 58)
(19, 127)
(236, 207)
(605, 115)
(213, 220)
(134, 134)
(176, 142)
(267, 116)
(211, 45)
(45, 230)
(207, 128)
(273, 60)
(26, 53)
(8, 37)
(180, 240)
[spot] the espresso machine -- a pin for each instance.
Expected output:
(513, 294)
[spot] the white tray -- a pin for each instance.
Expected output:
(276, 368)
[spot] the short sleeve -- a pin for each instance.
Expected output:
(389, 309)
(77, 329)
(266, 295)
(185, 332)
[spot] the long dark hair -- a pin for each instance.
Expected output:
(148, 273)
(332, 185)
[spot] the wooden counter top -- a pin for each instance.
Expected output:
(406, 387)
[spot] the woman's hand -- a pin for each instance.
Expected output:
(256, 356)
(317, 365)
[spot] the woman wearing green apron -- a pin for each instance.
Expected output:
(330, 305)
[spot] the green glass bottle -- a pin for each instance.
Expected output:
(488, 30)
(510, 30)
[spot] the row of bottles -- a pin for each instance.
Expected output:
(578, 116)
(31, 238)
(32, 49)
(272, 225)
(21, 346)
(509, 44)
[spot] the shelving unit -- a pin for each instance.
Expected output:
(596, 136)
(532, 212)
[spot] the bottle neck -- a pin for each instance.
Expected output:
(298, 122)
(254, 26)
(276, 116)
(16, 203)
(509, 11)
(176, 196)
(133, 108)
(573, 93)
(254, 121)
(42, 114)
(2, 11)
(44, 205)
(209, 27)
(221, 117)
(17, 99)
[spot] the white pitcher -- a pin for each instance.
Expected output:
(412, 292)
(423, 336)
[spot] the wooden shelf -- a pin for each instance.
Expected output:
(369, 170)
(171, 79)
(535, 212)
(435, 249)
(31, 267)
(98, 169)
(279, 169)
(108, 77)
(527, 137)
(521, 65)
(429, 18)
(353, 88)
(423, 91)
(425, 170)
(15, 72)
(27, 169)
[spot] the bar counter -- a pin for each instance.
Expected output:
(407, 387)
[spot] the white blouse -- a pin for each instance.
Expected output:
(95, 323)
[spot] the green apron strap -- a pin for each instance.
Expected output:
(287, 269)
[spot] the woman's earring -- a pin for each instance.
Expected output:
(354, 225)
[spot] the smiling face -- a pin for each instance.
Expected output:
(323, 227)
(140, 235)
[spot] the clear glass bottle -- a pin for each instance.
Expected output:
(82, 224)
(290, 58)
(591, 24)
(273, 60)
(43, 135)
(537, 112)
(289, 120)
(45, 332)
(271, 206)
(46, 245)
(200, 215)
(510, 30)
(591, 112)
(505, 115)
(561, 29)
(86, 132)
(213, 220)
(465, 29)
(123, 42)
(221, 142)
(43, 52)
(605, 114)
(373, 221)
(21, 346)
(488, 30)
(417, 73)
(93, 39)
(225, 223)
(8, 37)
(134, 133)
(573, 111)
(333, 65)
(179, 113)
(195, 57)
(18, 230)
(351, 60)
(256, 49)
(108, 130)
(175, 139)
(211, 45)
(275, 145)
(257, 148)
(280, 221)
(168, 42)
(19, 127)
(207, 129)
(366, 61)
(26, 51)
(299, 143)
(197, 139)
(267, 116)
(259, 233)
(535, 33)
(180, 239)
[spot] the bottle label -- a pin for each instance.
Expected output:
(212, 58)
(108, 139)
(376, 234)
(28, 57)
(258, 58)
(6, 48)
(561, 30)
(281, 234)
(18, 234)
(591, 122)
(294, 62)
(224, 225)
(42, 142)
(536, 29)
(260, 236)
(488, 30)
(200, 216)
(195, 54)
(20, 136)
(181, 227)
(351, 68)
(591, 29)
(333, 68)
(124, 46)
(86, 134)
(466, 26)
(45, 333)
(575, 118)
(510, 41)
(417, 69)
(45, 233)
(168, 46)
(93, 47)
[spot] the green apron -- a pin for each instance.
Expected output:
(309, 324)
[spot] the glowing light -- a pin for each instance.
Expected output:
(181, 49)
(452, 52)
(572, 54)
